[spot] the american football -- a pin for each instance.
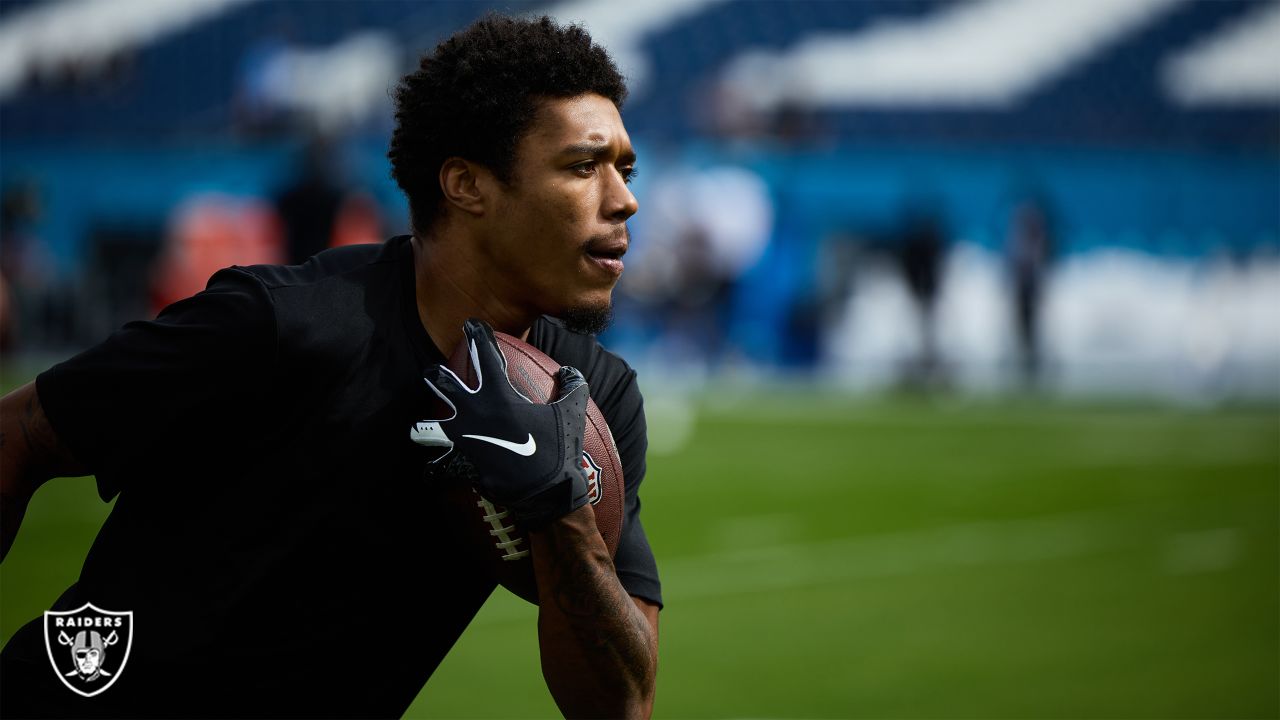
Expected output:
(490, 531)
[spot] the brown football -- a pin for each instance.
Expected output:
(490, 531)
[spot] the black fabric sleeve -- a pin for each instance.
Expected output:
(634, 561)
(169, 389)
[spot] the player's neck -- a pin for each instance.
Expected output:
(452, 286)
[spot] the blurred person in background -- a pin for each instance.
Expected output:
(27, 268)
(317, 209)
(277, 494)
(922, 249)
(309, 203)
(701, 251)
(1029, 249)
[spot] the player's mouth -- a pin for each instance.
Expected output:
(606, 254)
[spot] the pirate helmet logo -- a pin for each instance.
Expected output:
(88, 647)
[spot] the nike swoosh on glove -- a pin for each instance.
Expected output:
(527, 456)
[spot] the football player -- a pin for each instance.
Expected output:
(270, 502)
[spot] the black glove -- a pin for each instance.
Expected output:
(527, 456)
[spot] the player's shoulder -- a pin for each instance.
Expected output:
(335, 264)
(337, 298)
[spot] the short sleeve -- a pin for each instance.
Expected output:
(179, 387)
(634, 561)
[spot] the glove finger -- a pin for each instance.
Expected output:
(445, 384)
(571, 406)
(569, 380)
(491, 364)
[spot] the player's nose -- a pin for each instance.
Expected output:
(619, 202)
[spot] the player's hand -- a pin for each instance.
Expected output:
(527, 456)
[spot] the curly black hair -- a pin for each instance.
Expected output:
(476, 95)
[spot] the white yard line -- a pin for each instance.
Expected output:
(985, 544)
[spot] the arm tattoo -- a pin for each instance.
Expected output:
(49, 456)
(36, 430)
(579, 572)
(601, 614)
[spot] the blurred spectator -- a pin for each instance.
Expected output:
(838, 258)
(706, 228)
(921, 251)
(308, 205)
(1029, 247)
(26, 266)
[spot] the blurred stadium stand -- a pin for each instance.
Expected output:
(1150, 129)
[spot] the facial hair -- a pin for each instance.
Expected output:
(594, 319)
(588, 319)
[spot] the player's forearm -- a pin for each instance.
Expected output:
(30, 454)
(599, 653)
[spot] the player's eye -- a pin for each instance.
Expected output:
(629, 173)
(585, 169)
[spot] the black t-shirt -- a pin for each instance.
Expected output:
(274, 534)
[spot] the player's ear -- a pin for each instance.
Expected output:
(464, 183)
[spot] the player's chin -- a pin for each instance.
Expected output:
(588, 289)
(588, 318)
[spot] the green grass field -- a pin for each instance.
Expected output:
(832, 557)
